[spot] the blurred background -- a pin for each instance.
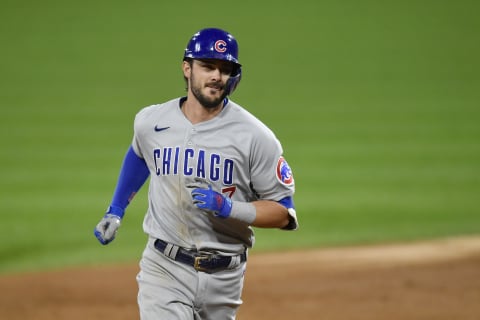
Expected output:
(376, 104)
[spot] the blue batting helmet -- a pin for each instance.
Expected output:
(213, 43)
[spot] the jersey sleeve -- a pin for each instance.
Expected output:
(139, 130)
(136, 147)
(271, 176)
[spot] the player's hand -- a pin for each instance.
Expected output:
(106, 229)
(206, 198)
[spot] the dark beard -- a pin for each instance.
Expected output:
(204, 101)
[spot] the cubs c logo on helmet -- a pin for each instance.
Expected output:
(220, 46)
(284, 173)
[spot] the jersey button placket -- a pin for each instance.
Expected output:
(190, 136)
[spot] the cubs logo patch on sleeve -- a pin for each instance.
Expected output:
(284, 173)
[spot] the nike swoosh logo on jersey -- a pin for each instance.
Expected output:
(157, 129)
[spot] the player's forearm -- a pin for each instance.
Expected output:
(133, 174)
(270, 214)
(261, 213)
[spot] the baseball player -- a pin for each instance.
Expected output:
(215, 172)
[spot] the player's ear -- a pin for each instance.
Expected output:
(187, 68)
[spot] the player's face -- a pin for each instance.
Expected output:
(208, 79)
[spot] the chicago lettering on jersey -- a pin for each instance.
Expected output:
(192, 162)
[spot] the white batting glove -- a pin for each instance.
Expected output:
(106, 229)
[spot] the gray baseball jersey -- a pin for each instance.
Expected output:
(234, 152)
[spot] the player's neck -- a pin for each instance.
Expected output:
(196, 113)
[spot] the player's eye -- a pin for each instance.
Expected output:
(208, 66)
(226, 69)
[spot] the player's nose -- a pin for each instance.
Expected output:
(216, 74)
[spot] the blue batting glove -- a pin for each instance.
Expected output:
(107, 228)
(208, 199)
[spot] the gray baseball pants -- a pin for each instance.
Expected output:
(175, 291)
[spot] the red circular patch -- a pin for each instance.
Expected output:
(284, 173)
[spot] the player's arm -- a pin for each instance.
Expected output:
(261, 213)
(273, 214)
(133, 174)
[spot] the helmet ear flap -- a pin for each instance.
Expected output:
(233, 81)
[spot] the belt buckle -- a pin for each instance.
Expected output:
(197, 265)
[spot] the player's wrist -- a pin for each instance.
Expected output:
(115, 210)
(226, 209)
(243, 211)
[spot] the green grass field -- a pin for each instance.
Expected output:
(376, 104)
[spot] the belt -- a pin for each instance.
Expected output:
(204, 262)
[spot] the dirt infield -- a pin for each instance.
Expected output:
(429, 280)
